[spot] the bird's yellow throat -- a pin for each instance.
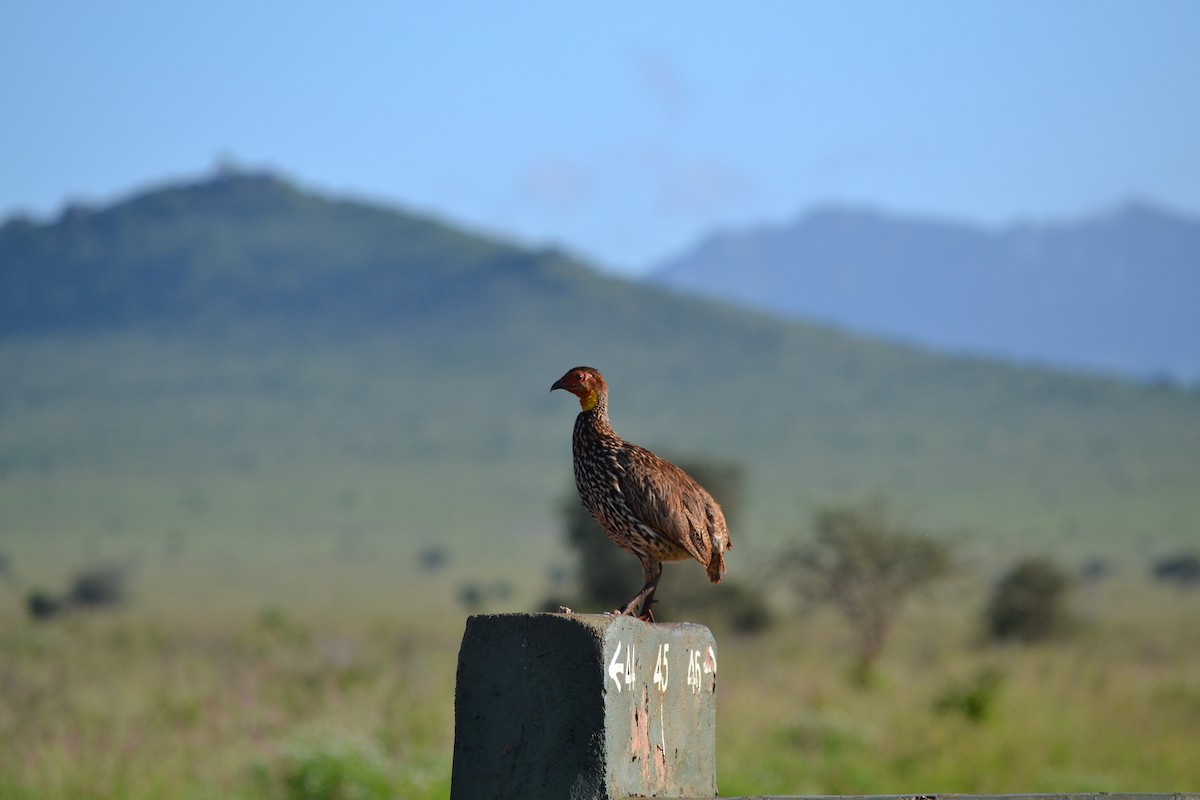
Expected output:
(588, 401)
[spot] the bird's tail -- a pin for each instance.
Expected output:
(716, 566)
(719, 542)
(716, 562)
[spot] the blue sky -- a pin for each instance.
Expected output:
(624, 130)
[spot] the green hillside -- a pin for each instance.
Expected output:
(238, 373)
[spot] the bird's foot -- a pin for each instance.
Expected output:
(647, 613)
(624, 611)
(564, 610)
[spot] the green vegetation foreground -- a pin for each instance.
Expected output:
(132, 706)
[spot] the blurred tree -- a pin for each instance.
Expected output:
(1095, 569)
(1029, 602)
(606, 575)
(471, 596)
(433, 558)
(1181, 568)
(98, 587)
(41, 605)
(866, 565)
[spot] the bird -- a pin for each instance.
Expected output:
(645, 504)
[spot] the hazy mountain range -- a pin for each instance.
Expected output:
(1117, 293)
(237, 354)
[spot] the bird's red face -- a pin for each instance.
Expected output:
(583, 382)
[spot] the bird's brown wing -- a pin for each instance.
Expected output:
(668, 500)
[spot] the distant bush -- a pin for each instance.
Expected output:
(433, 558)
(737, 604)
(98, 587)
(745, 607)
(94, 587)
(1095, 569)
(41, 605)
(975, 701)
(821, 736)
(1182, 569)
(1030, 602)
(476, 597)
(471, 596)
(273, 619)
(866, 565)
(337, 772)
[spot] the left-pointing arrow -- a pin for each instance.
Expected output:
(615, 669)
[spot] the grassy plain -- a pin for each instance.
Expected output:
(309, 702)
(283, 639)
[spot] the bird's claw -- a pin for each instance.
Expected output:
(645, 615)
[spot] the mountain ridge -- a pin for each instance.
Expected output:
(1108, 293)
(234, 244)
(337, 350)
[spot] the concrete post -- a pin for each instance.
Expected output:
(584, 706)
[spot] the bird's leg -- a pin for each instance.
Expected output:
(647, 613)
(653, 572)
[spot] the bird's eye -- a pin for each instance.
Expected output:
(579, 377)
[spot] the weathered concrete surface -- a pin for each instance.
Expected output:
(586, 707)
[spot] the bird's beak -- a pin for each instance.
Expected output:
(558, 384)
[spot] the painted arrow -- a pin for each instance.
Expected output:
(615, 669)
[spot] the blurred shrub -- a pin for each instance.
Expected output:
(98, 587)
(338, 771)
(746, 608)
(41, 605)
(1182, 569)
(433, 558)
(471, 596)
(273, 619)
(975, 701)
(821, 736)
(281, 629)
(736, 604)
(93, 587)
(605, 575)
(1095, 569)
(1030, 602)
(866, 565)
